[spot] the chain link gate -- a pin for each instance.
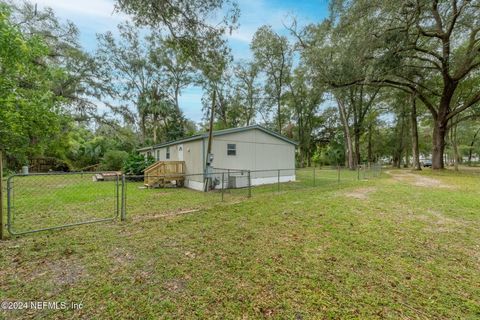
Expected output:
(49, 201)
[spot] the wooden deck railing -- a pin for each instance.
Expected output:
(162, 172)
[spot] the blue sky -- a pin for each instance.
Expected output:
(98, 16)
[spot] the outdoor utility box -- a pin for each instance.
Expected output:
(210, 159)
(232, 182)
(237, 180)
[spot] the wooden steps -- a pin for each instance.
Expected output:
(162, 173)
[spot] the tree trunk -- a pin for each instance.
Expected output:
(470, 151)
(440, 124)
(301, 137)
(177, 93)
(453, 138)
(414, 124)
(346, 132)
(357, 146)
(439, 133)
(155, 128)
(399, 150)
(249, 112)
(143, 127)
(154, 134)
(407, 159)
(279, 115)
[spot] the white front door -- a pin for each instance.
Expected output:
(180, 152)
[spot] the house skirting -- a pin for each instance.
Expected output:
(271, 180)
(196, 185)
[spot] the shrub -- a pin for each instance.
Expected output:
(113, 160)
(136, 164)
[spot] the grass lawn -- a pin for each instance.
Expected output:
(406, 245)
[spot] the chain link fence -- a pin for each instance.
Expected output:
(40, 202)
(278, 180)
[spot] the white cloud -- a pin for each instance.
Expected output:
(254, 14)
(91, 16)
(98, 16)
(90, 8)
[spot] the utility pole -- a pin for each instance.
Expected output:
(209, 158)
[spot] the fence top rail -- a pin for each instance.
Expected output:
(119, 174)
(258, 170)
(231, 170)
(287, 169)
(60, 173)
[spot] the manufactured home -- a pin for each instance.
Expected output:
(268, 156)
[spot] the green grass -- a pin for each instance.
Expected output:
(41, 201)
(383, 248)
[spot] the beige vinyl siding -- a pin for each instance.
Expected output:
(193, 155)
(163, 153)
(255, 150)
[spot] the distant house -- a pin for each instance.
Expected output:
(252, 148)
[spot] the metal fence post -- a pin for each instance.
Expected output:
(249, 185)
(278, 184)
(223, 177)
(338, 173)
(9, 221)
(1, 195)
(118, 196)
(124, 209)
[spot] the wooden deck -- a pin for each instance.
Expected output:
(162, 173)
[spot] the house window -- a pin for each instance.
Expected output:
(231, 149)
(149, 154)
(168, 153)
(158, 155)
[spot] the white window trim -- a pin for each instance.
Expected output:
(230, 149)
